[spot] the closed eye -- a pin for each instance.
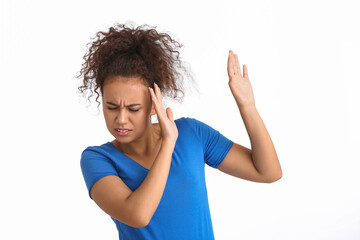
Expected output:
(133, 110)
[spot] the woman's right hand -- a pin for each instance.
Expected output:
(168, 127)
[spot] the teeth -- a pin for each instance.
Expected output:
(122, 130)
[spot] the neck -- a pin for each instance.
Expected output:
(143, 146)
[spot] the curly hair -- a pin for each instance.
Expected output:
(129, 52)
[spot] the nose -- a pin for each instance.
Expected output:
(121, 118)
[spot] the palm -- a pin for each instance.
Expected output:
(239, 83)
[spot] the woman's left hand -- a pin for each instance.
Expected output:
(239, 84)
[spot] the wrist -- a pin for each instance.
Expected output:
(247, 107)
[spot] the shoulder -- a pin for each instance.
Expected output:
(187, 121)
(193, 123)
(188, 127)
(98, 158)
(103, 150)
(95, 148)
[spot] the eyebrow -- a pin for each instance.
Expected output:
(130, 105)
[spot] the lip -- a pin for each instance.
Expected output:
(122, 129)
(122, 133)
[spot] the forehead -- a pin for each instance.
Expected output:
(124, 89)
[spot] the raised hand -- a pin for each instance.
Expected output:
(239, 84)
(168, 127)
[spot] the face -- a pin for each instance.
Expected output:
(127, 104)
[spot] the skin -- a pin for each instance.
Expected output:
(260, 163)
(145, 137)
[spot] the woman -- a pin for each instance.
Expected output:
(151, 179)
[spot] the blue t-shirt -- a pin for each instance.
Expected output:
(183, 211)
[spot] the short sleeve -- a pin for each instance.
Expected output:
(95, 165)
(214, 144)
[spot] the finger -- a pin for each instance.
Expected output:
(237, 65)
(158, 105)
(170, 114)
(245, 72)
(153, 97)
(158, 93)
(230, 65)
(233, 70)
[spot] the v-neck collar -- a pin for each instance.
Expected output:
(132, 160)
(110, 143)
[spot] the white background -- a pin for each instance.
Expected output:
(303, 62)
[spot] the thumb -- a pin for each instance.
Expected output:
(170, 114)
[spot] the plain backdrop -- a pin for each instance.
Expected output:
(303, 62)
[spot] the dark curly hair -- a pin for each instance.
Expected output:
(129, 52)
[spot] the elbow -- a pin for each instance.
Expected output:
(143, 223)
(145, 220)
(276, 179)
(137, 221)
(277, 175)
(273, 178)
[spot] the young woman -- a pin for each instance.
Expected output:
(151, 178)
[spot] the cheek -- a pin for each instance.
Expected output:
(140, 119)
(108, 121)
(110, 118)
(107, 116)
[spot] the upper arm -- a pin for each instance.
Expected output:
(238, 163)
(111, 194)
(107, 189)
(214, 144)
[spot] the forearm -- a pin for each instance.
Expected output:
(147, 196)
(262, 149)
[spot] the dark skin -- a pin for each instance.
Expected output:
(260, 163)
(144, 140)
